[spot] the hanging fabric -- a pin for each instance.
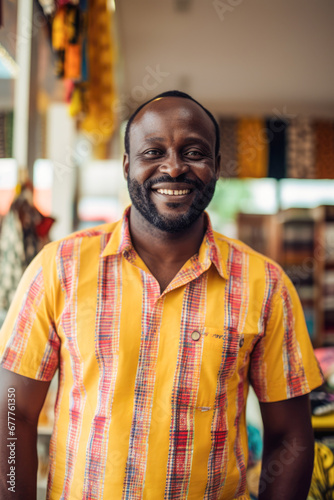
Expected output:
(301, 149)
(99, 94)
(24, 232)
(277, 145)
(83, 44)
(12, 259)
(252, 148)
(324, 149)
(66, 42)
(229, 147)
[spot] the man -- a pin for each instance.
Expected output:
(157, 325)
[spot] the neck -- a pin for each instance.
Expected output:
(162, 250)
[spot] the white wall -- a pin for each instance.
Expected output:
(233, 55)
(60, 139)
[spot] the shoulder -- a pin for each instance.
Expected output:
(60, 259)
(234, 251)
(85, 238)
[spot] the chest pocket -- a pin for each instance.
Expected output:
(225, 357)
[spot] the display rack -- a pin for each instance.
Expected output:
(260, 232)
(296, 254)
(324, 253)
(301, 240)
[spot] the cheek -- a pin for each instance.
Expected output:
(205, 173)
(140, 173)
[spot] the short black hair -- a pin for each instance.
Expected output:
(171, 93)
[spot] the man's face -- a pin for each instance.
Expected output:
(173, 169)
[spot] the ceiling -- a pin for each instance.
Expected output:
(235, 56)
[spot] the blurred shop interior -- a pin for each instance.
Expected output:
(72, 72)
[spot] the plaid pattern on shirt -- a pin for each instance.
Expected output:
(153, 387)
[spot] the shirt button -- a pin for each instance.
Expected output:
(195, 335)
(241, 343)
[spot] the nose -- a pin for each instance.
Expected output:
(173, 165)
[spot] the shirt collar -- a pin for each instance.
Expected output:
(209, 252)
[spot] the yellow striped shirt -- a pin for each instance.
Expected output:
(152, 388)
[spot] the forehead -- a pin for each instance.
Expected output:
(170, 115)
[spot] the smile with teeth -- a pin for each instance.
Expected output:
(173, 192)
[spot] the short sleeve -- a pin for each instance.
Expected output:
(29, 343)
(283, 364)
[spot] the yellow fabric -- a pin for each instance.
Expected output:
(252, 148)
(59, 31)
(99, 92)
(143, 409)
(322, 485)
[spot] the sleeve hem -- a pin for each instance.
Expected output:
(25, 372)
(283, 396)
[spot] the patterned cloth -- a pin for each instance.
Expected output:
(152, 390)
(24, 232)
(252, 148)
(229, 147)
(322, 485)
(324, 137)
(98, 94)
(277, 143)
(301, 149)
(66, 42)
(12, 260)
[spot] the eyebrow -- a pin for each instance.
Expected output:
(154, 139)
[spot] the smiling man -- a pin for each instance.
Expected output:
(158, 325)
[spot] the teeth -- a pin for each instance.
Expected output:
(173, 192)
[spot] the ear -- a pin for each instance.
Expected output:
(217, 166)
(126, 165)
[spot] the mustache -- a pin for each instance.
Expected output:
(167, 178)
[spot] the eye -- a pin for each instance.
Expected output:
(193, 152)
(152, 152)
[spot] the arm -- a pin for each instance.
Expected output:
(288, 452)
(21, 452)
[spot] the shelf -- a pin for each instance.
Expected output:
(301, 240)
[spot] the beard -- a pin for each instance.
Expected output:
(140, 195)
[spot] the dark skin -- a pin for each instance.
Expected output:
(171, 136)
(288, 453)
(29, 397)
(172, 141)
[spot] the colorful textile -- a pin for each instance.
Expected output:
(98, 94)
(229, 147)
(325, 357)
(66, 42)
(276, 130)
(252, 148)
(153, 387)
(324, 137)
(322, 485)
(12, 260)
(24, 231)
(301, 149)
